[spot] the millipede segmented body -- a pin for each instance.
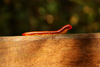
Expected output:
(63, 30)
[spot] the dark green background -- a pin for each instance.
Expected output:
(19, 16)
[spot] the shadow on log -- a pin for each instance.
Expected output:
(78, 50)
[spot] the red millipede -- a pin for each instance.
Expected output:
(63, 30)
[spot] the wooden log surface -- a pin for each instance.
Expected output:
(72, 50)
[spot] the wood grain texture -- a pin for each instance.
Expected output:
(78, 50)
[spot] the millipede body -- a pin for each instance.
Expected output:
(63, 30)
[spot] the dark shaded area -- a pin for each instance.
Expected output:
(19, 16)
(84, 51)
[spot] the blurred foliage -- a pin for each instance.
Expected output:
(19, 16)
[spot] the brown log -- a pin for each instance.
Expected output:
(78, 50)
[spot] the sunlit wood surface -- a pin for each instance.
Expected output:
(78, 50)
